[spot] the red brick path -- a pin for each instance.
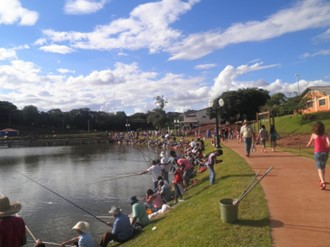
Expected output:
(299, 210)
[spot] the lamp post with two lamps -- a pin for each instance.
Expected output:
(215, 111)
(176, 124)
(127, 126)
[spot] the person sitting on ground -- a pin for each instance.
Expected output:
(84, 239)
(154, 200)
(164, 189)
(139, 216)
(122, 229)
(12, 228)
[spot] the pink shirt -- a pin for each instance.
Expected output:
(320, 144)
(185, 163)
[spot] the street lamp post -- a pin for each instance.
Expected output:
(127, 126)
(176, 123)
(217, 109)
(298, 79)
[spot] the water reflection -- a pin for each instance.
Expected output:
(82, 174)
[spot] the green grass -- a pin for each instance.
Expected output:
(197, 221)
(297, 124)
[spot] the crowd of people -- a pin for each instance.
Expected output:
(182, 166)
(182, 163)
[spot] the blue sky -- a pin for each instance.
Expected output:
(118, 55)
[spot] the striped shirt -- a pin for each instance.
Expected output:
(86, 240)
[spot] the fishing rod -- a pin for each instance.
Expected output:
(45, 242)
(54, 192)
(128, 160)
(115, 178)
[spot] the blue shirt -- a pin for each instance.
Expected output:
(122, 227)
(86, 240)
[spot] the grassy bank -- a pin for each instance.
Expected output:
(197, 222)
(298, 124)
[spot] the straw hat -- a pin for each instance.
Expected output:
(7, 209)
(115, 210)
(82, 226)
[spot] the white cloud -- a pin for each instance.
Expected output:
(77, 7)
(62, 49)
(325, 36)
(303, 15)
(66, 71)
(146, 27)
(205, 66)
(11, 12)
(226, 80)
(7, 54)
(318, 53)
(125, 86)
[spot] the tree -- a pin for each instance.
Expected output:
(157, 118)
(30, 115)
(7, 109)
(243, 103)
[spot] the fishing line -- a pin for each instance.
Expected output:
(115, 178)
(54, 192)
(144, 157)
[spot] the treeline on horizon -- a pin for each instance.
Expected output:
(240, 104)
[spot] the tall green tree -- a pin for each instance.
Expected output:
(157, 118)
(30, 115)
(7, 110)
(243, 103)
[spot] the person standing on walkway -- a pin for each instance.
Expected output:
(12, 228)
(321, 150)
(263, 137)
(247, 133)
(273, 137)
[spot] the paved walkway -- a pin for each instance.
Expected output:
(299, 210)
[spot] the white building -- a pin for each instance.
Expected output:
(197, 118)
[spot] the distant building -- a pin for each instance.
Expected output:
(318, 99)
(197, 118)
(9, 132)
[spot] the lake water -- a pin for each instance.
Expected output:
(93, 177)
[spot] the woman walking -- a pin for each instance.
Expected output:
(321, 150)
(273, 137)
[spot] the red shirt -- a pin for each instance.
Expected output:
(12, 232)
(178, 179)
(320, 144)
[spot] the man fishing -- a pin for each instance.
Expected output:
(12, 228)
(121, 228)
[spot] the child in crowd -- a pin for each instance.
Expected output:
(178, 184)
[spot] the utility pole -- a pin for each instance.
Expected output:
(298, 79)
